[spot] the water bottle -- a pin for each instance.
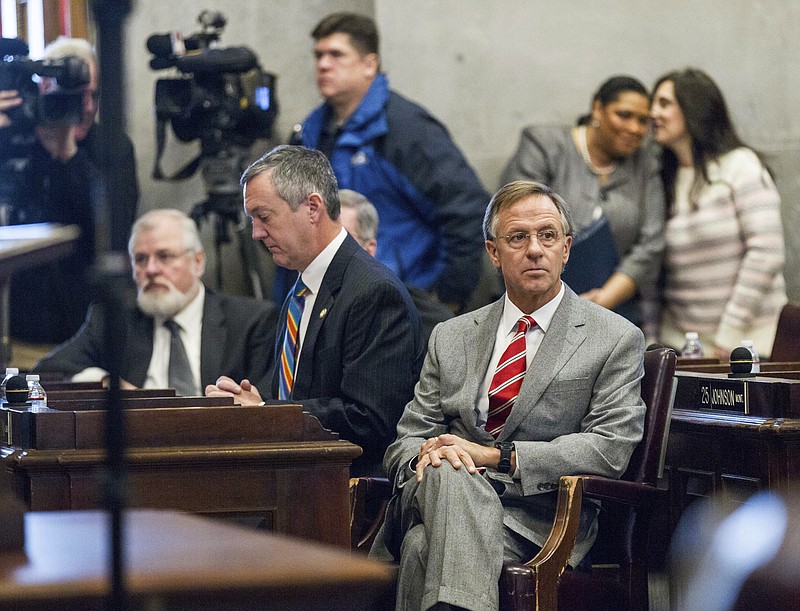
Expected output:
(748, 343)
(37, 397)
(692, 349)
(10, 371)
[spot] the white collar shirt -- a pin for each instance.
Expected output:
(190, 320)
(505, 332)
(312, 277)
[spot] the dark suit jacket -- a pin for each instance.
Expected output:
(361, 354)
(237, 340)
(431, 310)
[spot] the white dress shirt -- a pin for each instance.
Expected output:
(312, 277)
(190, 320)
(505, 332)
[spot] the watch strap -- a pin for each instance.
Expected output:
(504, 464)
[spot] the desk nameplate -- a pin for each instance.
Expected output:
(759, 396)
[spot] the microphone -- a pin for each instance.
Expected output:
(171, 43)
(216, 61)
(16, 390)
(741, 363)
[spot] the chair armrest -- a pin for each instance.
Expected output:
(628, 493)
(534, 584)
(538, 578)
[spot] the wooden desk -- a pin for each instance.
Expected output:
(23, 247)
(713, 452)
(273, 466)
(176, 562)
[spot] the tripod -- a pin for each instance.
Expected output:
(221, 171)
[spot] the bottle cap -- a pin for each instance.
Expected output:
(747, 343)
(32, 377)
(692, 335)
(12, 371)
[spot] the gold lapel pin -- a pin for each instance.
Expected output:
(323, 312)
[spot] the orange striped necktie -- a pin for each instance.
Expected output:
(507, 379)
(289, 350)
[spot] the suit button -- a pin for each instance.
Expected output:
(540, 486)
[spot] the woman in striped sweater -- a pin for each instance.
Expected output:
(724, 240)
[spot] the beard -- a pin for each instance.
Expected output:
(160, 304)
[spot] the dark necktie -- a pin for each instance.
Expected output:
(507, 379)
(180, 373)
(289, 350)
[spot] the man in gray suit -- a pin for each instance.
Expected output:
(468, 499)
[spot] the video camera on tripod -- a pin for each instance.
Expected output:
(227, 101)
(223, 99)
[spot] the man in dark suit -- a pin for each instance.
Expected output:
(534, 386)
(217, 332)
(349, 347)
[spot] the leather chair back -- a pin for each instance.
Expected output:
(658, 392)
(787, 339)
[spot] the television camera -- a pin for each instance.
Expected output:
(52, 95)
(224, 99)
(51, 89)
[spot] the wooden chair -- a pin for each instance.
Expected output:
(787, 338)
(369, 497)
(630, 541)
(624, 536)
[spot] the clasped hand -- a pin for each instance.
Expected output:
(455, 450)
(243, 393)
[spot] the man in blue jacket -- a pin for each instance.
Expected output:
(402, 159)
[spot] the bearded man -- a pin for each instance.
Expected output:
(181, 334)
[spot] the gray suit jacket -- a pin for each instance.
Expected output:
(579, 409)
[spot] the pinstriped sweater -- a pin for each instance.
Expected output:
(724, 258)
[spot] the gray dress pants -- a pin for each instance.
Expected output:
(453, 553)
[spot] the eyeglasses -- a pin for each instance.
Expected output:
(518, 240)
(164, 258)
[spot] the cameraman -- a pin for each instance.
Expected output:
(56, 185)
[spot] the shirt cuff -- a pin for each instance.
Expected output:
(90, 374)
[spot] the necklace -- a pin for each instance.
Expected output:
(605, 171)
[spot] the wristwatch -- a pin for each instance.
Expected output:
(504, 464)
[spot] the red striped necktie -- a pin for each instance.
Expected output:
(507, 378)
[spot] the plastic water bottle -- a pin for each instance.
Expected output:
(692, 349)
(10, 371)
(36, 394)
(748, 343)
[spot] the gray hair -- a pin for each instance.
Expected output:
(63, 46)
(366, 214)
(152, 219)
(297, 172)
(510, 194)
